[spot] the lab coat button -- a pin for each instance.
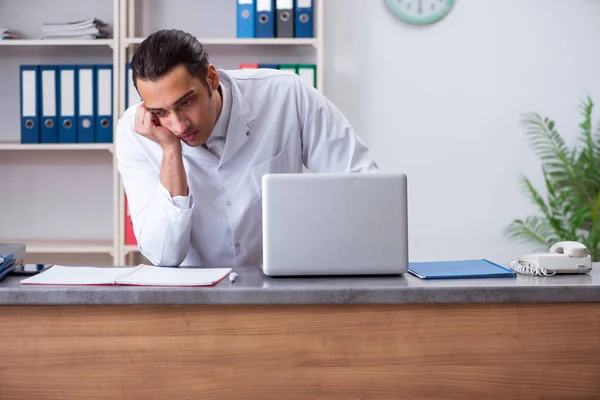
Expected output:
(228, 202)
(237, 245)
(248, 133)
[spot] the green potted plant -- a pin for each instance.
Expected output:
(569, 208)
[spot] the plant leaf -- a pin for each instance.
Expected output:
(532, 230)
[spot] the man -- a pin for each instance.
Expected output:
(192, 154)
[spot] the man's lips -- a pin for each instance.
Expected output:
(189, 135)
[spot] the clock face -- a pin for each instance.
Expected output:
(420, 11)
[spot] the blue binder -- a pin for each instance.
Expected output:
(86, 120)
(29, 76)
(104, 103)
(271, 66)
(246, 27)
(303, 27)
(481, 268)
(67, 103)
(265, 18)
(49, 103)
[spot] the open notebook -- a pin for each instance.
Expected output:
(142, 275)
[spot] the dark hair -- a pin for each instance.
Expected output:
(163, 50)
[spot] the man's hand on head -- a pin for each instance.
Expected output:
(147, 125)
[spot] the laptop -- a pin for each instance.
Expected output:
(334, 224)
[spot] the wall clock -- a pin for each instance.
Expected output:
(420, 12)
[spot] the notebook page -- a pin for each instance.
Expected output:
(63, 275)
(150, 275)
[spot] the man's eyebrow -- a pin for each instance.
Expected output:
(184, 96)
(179, 100)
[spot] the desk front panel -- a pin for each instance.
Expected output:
(300, 352)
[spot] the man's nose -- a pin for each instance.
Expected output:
(180, 124)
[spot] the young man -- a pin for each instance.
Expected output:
(192, 154)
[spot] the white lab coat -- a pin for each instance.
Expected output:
(277, 123)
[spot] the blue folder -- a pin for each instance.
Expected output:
(459, 269)
(246, 19)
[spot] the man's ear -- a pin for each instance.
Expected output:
(212, 77)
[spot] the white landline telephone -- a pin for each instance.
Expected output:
(564, 258)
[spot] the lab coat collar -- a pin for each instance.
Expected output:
(238, 131)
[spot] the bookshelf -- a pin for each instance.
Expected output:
(60, 201)
(82, 179)
(58, 42)
(241, 42)
(57, 146)
(57, 246)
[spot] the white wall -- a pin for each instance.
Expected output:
(443, 104)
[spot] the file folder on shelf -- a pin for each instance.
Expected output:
(481, 268)
(246, 19)
(284, 27)
(303, 24)
(131, 94)
(86, 129)
(308, 72)
(271, 66)
(104, 104)
(248, 66)
(30, 88)
(49, 101)
(289, 67)
(67, 104)
(265, 18)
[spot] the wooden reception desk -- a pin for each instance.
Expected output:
(287, 338)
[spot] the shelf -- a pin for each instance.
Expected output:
(130, 249)
(36, 246)
(57, 146)
(57, 42)
(244, 42)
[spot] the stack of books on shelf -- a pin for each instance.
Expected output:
(6, 33)
(87, 29)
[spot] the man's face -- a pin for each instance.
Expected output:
(183, 104)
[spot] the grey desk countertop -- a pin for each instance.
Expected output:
(253, 288)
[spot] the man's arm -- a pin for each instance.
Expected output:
(159, 203)
(329, 143)
(172, 172)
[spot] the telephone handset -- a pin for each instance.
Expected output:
(563, 258)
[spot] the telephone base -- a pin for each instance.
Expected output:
(555, 263)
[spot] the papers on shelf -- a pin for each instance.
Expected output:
(86, 29)
(6, 33)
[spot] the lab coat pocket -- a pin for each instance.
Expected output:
(277, 165)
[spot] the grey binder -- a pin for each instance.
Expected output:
(285, 19)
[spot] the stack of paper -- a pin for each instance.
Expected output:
(142, 275)
(6, 33)
(87, 29)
